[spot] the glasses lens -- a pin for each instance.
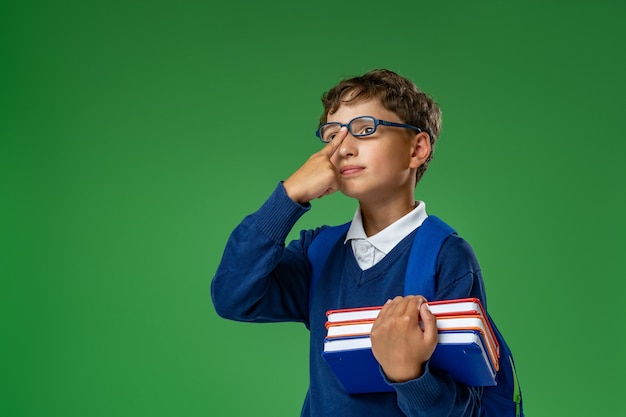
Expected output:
(328, 131)
(363, 126)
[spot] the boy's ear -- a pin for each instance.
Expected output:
(421, 149)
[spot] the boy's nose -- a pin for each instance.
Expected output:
(348, 147)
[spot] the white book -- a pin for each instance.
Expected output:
(438, 308)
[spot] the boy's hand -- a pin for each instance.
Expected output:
(399, 344)
(318, 176)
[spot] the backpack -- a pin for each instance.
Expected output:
(502, 400)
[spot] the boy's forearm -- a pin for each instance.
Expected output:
(435, 395)
(235, 286)
(248, 283)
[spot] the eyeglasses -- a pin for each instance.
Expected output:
(358, 127)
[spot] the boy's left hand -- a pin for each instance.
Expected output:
(399, 344)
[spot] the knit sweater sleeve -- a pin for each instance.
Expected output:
(258, 278)
(436, 393)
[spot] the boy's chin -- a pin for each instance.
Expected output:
(348, 192)
(351, 193)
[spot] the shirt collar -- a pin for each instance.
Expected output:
(388, 238)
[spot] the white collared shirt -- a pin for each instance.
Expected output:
(370, 250)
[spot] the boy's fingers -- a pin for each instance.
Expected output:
(332, 146)
(412, 303)
(387, 309)
(430, 323)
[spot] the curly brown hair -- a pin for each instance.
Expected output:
(397, 94)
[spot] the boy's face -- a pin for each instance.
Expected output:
(380, 167)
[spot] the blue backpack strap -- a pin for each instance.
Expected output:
(319, 251)
(422, 265)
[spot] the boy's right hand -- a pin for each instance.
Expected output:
(399, 344)
(318, 176)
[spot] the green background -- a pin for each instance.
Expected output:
(134, 135)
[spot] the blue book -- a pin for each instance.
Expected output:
(460, 353)
(355, 367)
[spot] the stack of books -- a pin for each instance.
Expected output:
(467, 348)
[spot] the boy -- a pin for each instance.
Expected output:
(380, 131)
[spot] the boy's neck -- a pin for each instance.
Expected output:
(379, 215)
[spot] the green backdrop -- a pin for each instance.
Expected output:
(135, 135)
